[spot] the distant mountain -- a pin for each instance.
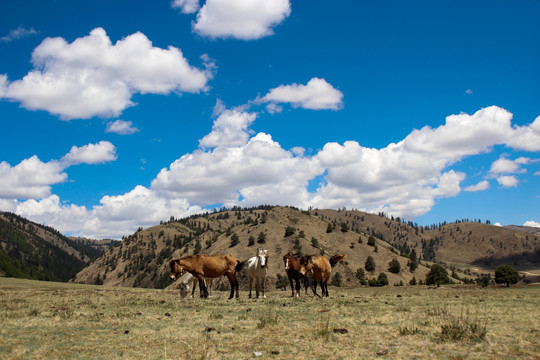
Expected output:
(34, 251)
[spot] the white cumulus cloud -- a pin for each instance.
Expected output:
(92, 77)
(239, 19)
(229, 129)
(507, 181)
(98, 153)
(532, 224)
(32, 178)
(317, 94)
(121, 127)
(186, 6)
(481, 186)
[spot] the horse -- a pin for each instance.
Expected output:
(321, 268)
(210, 266)
(256, 268)
(185, 285)
(295, 271)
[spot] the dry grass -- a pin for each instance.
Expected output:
(47, 320)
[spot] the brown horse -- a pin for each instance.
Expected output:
(295, 272)
(209, 266)
(321, 268)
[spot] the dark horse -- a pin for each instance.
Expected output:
(295, 272)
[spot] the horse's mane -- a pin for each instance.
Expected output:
(336, 258)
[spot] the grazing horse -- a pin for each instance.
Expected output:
(190, 279)
(210, 266)
(321, 268)
(295, 271)
(256, 268)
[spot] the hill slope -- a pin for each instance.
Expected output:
(142, 258)
(30, 250)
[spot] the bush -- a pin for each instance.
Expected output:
(394, 266)
(235, 240)
(261, 239)
(370, 264)
(484, 280)
(336, 280)
(382, 279)
(437, 275)
(371, 241)
(289, 231)
(505, 274)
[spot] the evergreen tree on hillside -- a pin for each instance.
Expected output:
(370, 264)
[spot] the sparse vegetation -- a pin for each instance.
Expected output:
(82, 321)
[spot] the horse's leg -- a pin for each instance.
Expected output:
(292, 286)
(202, 287)
(263, 286)
(209, 286)
(297, 287)
(261, 282)
(250, 286)
(257, 286)
(315, 288)
(194, 285)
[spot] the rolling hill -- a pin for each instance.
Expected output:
(470, 248)
(33, 251)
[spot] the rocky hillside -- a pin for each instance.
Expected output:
(34, 251)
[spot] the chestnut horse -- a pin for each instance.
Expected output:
(295, 271)
(321, 268)
(209, 266)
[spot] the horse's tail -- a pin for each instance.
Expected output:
(239, 265)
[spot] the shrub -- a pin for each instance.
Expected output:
(235, 240)
(370, 264)
(394, 266)
(289, 231)
(371, 241)
(261, 239)
(382, 279)
(251, 241)
(361, 274)
(484, 280)
(462, 329)
(336, 280)
(437, 275)
(505, 274)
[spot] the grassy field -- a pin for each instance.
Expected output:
(40, 320)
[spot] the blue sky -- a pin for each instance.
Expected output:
(116, 115)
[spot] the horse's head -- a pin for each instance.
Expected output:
(287, 260)
(306, 264)
(184, 290)
(176, 269)
(262, 257)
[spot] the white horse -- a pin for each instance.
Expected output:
(187, 279)
(256, 269)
